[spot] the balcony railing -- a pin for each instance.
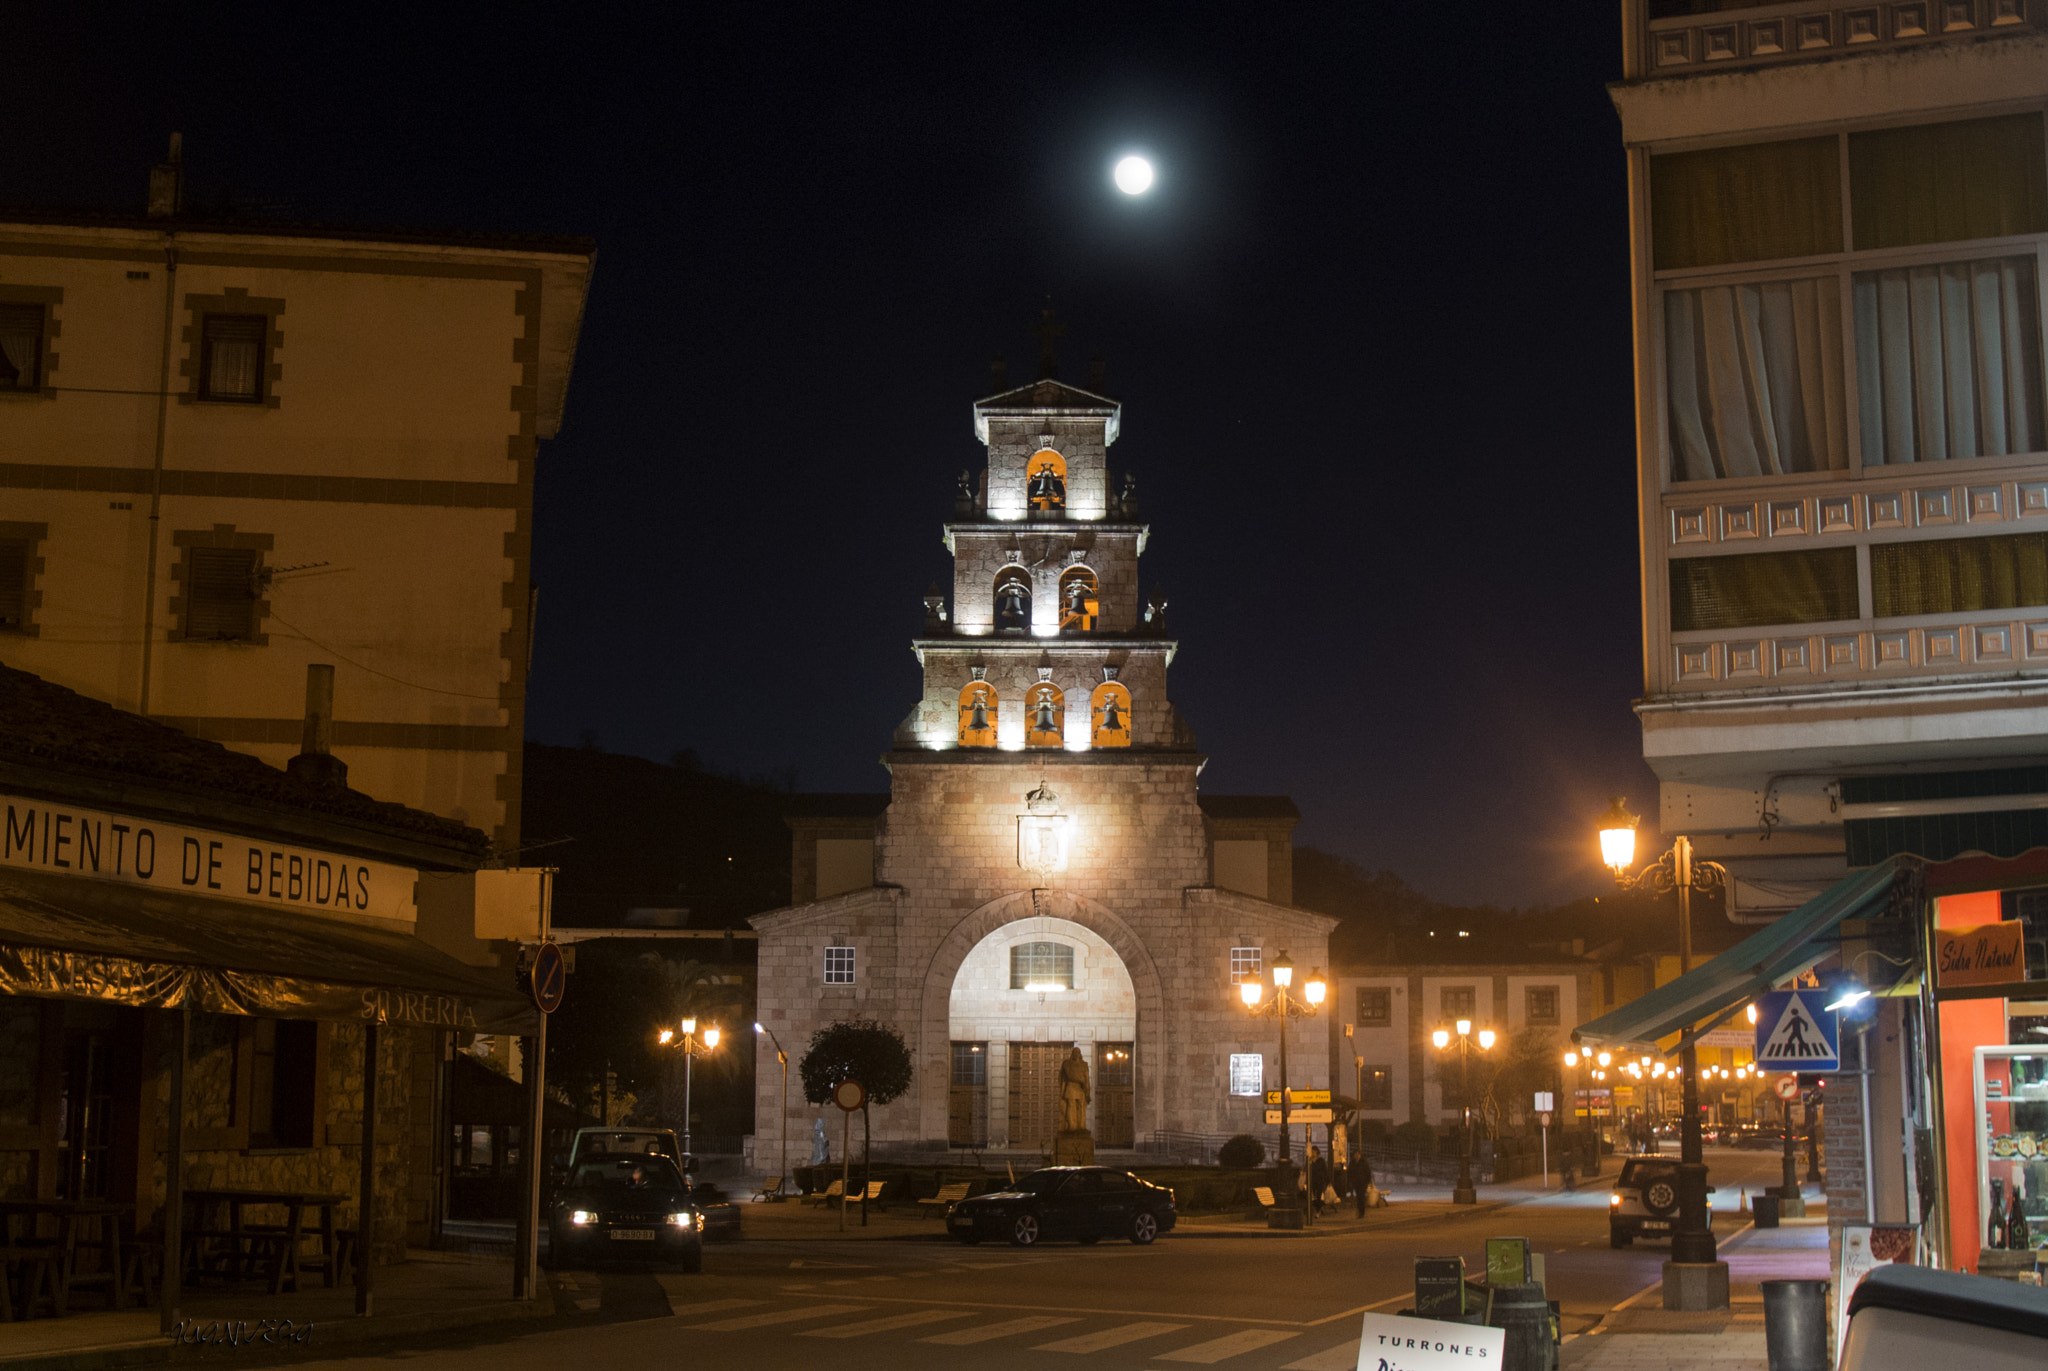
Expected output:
(1677, 41)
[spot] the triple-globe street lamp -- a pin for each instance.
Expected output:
(1285, 1004)
(1692, 1236)
(695, 1044)
(1466, 1039)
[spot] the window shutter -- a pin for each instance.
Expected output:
(220, 592)
(21, 346)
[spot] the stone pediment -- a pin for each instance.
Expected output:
(1047, 397)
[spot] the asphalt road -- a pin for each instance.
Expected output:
(1247, 1302)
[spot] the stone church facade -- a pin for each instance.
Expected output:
(1045, 873)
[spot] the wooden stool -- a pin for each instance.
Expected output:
(39, 1280)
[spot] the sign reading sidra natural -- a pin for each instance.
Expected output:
(63, 840)
(1391, 1342)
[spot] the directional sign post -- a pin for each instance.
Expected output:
(1299, 1097)
(1296, 1114)
(1795, 1031)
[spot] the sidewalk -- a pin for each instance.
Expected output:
(1640, 1335)
(430, 1293)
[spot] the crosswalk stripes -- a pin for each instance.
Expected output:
(962, 1337)
(683, 1311)
(1109, 1337)
(775, 1316)
(886, 1325)
(1245, 1340)
(1342, 1357)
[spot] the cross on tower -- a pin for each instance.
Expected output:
(1048, 331)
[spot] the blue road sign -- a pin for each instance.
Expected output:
(1796, 1032)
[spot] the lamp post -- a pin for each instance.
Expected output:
(1464, 1193)
(1692, 1236)
(782, 1119)
(1285, 1004)
(694, 1044)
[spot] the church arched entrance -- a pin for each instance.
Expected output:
(1026, 982)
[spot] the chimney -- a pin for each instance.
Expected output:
(167, 183)
(316, 764)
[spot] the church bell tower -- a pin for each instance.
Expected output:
(1049, 646)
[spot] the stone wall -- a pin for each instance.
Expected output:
(1045, 551)
(1078, 439)
(1012, 670)
(405, 1135)
(1137, 879)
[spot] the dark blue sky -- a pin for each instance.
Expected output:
(1371, 332)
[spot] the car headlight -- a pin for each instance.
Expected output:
(683, 1220)
(582, 1216)
(1614, 1199)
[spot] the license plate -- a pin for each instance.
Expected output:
(633, 1234)
(1655, 1227)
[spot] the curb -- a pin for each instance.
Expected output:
(352, 1333)
(1420, 1221)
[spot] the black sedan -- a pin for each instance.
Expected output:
(625, 1209)
(1086, 1203)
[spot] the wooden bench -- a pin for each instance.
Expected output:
(872, 1194)
(948, 1196)
(1264, 1195)
(770, 1191)
(827, 1195)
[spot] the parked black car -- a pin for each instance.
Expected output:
(716, 1212)
(1086, 1203)
(625, 1209)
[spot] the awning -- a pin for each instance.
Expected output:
(93, 940)
(1776, 952)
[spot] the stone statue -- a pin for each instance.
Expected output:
(1074, 1092)
(821, 1149)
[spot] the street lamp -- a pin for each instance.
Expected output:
(1285, 1005)
(1692, 1236)
(1465, 1193)
(782, 1119)
(695, 1044)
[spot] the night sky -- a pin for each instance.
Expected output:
(1371, 333)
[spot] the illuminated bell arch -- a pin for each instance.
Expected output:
(978, 714)
(1045, 716)
(1110, 708)
(1045, 481)
(1012, 592)
(1080, 607)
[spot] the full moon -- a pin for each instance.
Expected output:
(1134, 176)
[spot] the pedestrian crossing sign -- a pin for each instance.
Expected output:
(1796, 1032)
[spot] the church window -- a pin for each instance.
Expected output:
(1045, 481)
(1247, 1075)
(1080, 609)
(1110, 707)
(1013, 599)
(1041, 964)
(838, 966)
(1244, 965)
(978, 714)
(1045, 716)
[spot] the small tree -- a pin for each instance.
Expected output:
(862, 1050)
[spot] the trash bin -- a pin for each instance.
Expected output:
(1764, 1208)
(1796, 1325)
(1522, 1311)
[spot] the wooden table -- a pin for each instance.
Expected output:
(243, 1240)
(70, 1214)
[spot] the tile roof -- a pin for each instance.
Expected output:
(64, 731)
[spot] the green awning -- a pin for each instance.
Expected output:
(1778, 951)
